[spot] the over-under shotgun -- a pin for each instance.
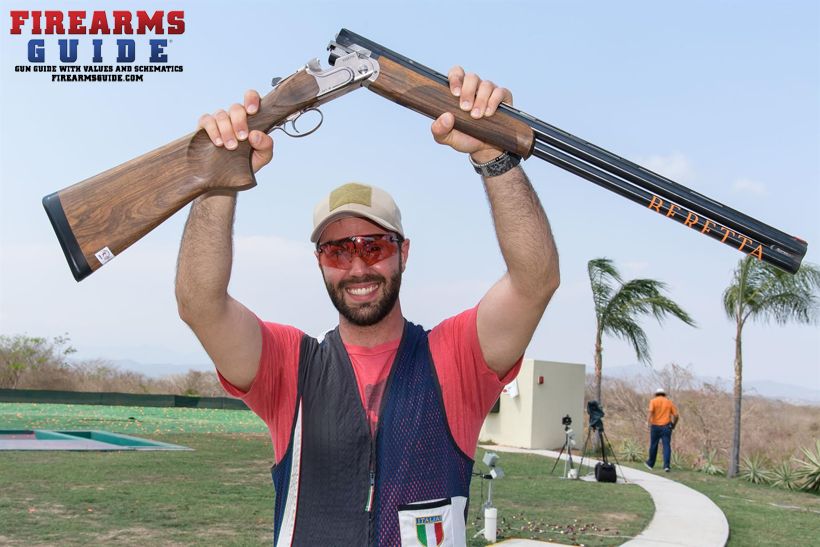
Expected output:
(100, 217)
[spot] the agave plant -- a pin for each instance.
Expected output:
(680, 461)
(631, 452)
(753, 469)
(807, 474)
(783, 476)
(708, 463)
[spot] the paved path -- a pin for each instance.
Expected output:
(683, 517)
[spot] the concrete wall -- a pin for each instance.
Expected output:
(547, 391)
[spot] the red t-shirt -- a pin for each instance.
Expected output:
(469, 387)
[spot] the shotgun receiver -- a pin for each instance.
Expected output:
(98, 218)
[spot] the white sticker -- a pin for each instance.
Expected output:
(104, 255)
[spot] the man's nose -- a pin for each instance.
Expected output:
(358, 266)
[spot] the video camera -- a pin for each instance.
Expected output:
(566, 420)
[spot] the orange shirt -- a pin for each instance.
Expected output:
(661, 411)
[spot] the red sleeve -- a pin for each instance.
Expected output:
(272, 395)
(469, 386)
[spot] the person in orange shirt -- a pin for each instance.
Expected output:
(663, 417)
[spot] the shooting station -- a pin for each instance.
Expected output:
(529, 416)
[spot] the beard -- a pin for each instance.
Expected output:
(368, 313)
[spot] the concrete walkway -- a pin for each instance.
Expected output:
(683, 517)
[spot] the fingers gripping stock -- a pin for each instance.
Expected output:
(98, 218)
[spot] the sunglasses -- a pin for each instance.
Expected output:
(371, 249)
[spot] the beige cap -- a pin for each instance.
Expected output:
(357, 200)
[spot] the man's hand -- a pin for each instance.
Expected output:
(229, 128)
(478, 97)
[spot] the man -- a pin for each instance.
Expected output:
(375, 428)
(663, 417)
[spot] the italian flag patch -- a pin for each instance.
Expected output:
(430, 530)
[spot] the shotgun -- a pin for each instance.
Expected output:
(100, 217)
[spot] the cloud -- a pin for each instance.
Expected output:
(748, 186)
(674, 166)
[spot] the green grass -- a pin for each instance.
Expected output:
(759, 514)
(221, 493)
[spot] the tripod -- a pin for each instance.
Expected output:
(603, 441)
(569, 442)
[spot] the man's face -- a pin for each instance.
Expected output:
(363, 294)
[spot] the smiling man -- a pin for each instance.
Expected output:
(375, 427)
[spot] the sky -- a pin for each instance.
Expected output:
(723, 97)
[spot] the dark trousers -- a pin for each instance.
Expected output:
(656, 434)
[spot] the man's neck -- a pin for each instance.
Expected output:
(388, 329)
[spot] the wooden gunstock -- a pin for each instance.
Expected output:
(417, 92)
(100, 217)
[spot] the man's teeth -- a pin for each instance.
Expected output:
(361, 291)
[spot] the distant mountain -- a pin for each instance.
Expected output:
(765, 388)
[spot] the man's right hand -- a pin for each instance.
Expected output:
(229, 128)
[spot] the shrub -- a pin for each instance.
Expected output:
(708, 463)
(783, 476)
(631, 452)
(807, 475)
(753, 469)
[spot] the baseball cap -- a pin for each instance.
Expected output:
(660, 391)
(357, 200)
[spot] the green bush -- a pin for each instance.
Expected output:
(708, 463)
(753, 469)
(783, 476)
(807, 475)
(631, 451)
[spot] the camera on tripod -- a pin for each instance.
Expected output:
(566, 421)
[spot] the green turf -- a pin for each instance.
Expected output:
(221, 493)
(760, 514)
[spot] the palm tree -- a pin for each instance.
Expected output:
(619, 305)
(762, 292)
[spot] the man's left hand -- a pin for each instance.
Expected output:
(478, 97)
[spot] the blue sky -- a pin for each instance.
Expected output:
(722, 96)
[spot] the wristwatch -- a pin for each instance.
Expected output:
(496, 166)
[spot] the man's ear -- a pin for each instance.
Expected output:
(405, 252)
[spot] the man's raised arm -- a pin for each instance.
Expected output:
(228, 331)
(510, 311)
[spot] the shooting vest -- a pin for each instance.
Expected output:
(338, 485)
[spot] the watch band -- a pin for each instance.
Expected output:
(496, 166)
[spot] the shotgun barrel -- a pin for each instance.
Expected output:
(593, 163)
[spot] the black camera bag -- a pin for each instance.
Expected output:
(605, 472)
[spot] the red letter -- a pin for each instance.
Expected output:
(122, 22)
(176, 22)
(99, 23)
(17, 19)
(656, 204)
(35, 22)
(153, 23)
(75, 22)
(54, 22)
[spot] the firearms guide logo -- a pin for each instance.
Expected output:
(77, 45)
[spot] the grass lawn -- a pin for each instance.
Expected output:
(759, 514)
(221, 493)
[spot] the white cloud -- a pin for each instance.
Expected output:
(674, 166)
(748, 186)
